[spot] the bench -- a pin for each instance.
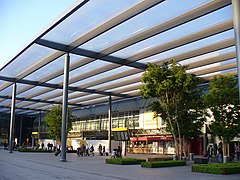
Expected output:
(200, 161)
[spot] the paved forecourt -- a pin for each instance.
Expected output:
(28, 166)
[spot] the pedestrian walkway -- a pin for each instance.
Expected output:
(47, 166)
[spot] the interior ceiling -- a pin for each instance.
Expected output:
(110, 43)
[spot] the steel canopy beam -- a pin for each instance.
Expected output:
(56, 86)
(38, 100)
(25, 109)
(90, 54)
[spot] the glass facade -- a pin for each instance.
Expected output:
(129, 119)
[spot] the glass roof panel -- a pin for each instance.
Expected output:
(79, 98)
(20, 103)
(34, 90)
(88, 68)
(211, 66)
(88, 17)
(142, 22)
(106, 74)
(119, 80)
(7, 101)
(124, 87)
(57, 80)
(7, 91)
(209, 55)
(191, 46)
(4, 109)
(28, 58)
(38, 105)
(52, 67)
(232, 70)
(189, 28)
(45, 95)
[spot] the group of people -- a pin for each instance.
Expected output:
(117, 153)
(102, 150)
(14, 145)
(210, 152)
(85, 150)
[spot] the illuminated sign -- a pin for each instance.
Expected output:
(120, 134)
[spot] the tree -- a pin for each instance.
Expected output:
(222, 100)
(53, 121)
(177, 98)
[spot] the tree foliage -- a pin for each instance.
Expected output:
(53, 121)
(222, 99)
(178, 100)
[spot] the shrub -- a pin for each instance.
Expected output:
(156, 164)
(32, 150)
(124, 161)
(225, 168)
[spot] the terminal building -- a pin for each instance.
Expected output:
(93, 56)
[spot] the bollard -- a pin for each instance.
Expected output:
(191, 156)
(174, 157)
(225, 159)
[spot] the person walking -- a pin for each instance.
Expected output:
(237, 151)
(220, 152)
(5, 145)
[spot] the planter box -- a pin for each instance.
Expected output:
(200, 161)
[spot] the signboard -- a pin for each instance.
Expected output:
(120, 134)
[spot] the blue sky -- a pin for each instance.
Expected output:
(22, 20)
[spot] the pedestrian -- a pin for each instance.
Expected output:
(100, 149)
(209, 152)
(87, 150)
(42, 145)
(237, 151)
(5, 145)
(220, 152)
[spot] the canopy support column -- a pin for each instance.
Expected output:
(11, 134)
(110, 124)
(39, 125)
(20, 131)
(65, 108)
(236, 25)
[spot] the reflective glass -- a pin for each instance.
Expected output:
(27, 59)
(88, 17)
(142, 22)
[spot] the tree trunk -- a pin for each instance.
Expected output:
(180, 141)
(224, 147)
(174, 136)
